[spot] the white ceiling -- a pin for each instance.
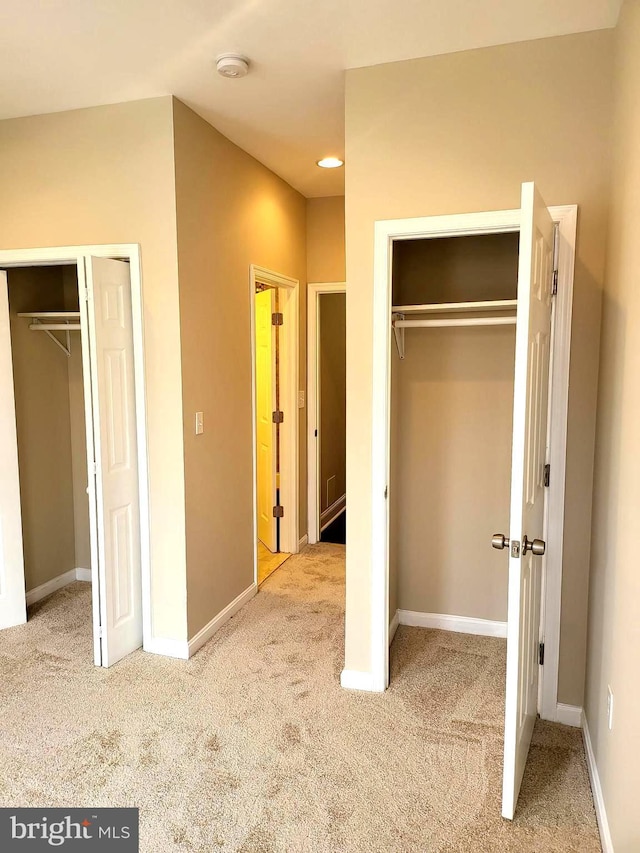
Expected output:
(289, 111)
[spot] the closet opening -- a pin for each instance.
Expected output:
(452, 385)
(46, 348)
(74, 491)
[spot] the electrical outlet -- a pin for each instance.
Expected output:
(199, 423)
(610, 707)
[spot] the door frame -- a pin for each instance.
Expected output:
(314, 291)
(76, 255)
(289, 431)
(490, 222)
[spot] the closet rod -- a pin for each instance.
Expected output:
(454, 321)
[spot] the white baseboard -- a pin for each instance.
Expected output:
(218, 621)
(168, 648)
(393, 626)
(332, 512)
(596, 789)
(303, 542)
(354, 679)
(45, 589)
(569, 715)
(459, 624)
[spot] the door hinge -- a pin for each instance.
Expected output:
(541, 654)
(86, 294)
(315, 432)
(547, 474)
(278, 511)
(277, 417)
(554, 286)
(386, 492)
(277, 319)
(100, 632)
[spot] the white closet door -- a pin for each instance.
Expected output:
(13, 607)
(527, 486)
(114, 418)
(266, 449)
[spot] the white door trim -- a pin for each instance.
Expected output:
(76, 255)
(314, 291)
(288, 378)
(490, 222)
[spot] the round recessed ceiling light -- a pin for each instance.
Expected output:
(330, 163)
(232, 65)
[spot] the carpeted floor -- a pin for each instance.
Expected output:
(252, 746)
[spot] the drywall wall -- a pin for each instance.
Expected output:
(333, 402)
(78, 429)
(614, 596)
(106, 175)
(41, 384)
(453, 471)
(232, 212)
(460, 133)
(325, 239)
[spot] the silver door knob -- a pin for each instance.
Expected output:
(499, 541)
(536, 546)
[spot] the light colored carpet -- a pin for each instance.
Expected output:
(252, 746)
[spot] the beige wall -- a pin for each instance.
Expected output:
(106, 175)
(325, 239)
(614, 595)
(452, 480)
(333, 402)
(460, 133)
(41, 386)
(77, 426)
(232, 212)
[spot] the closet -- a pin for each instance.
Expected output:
(471, 335)
(50, 422)
(73, 486)
(452, 384)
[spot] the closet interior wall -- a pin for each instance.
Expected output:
(50, 427)
(451, 432)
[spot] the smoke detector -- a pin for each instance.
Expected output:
(232, 65)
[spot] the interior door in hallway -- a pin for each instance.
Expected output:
(116, 457)
(266, 429)
(13, 609)
(530, 418)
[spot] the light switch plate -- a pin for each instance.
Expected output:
(199, 423)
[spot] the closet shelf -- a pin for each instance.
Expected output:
(54, 321)
(423, 316)
(457, 307)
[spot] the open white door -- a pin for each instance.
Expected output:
(116, 452)
(266, 435)
(533, 333)
(13, 607)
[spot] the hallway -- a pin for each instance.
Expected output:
(252, 745)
